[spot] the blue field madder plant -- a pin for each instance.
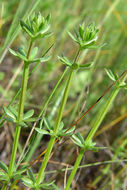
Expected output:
(38, 27)
(86, 38)
(88, 144)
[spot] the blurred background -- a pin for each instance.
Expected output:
(110, 16)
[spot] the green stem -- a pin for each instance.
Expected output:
(4, 186)
(97, 121)
(18, 92)
(65, 95)
(38, 138)
(19, 119)
(52, 140)
(77, 163)
(95, 127)
(20, 112)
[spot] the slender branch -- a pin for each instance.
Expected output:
(95, 127)
(52, 140)
(20, 112)
(78, 120)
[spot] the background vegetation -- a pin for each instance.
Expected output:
(87, 86)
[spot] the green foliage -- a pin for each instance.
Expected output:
(113, 56)
(74, 66)
(86, 145)
(12, 116)
(114, 77)
(37, 26)
(50, 130)
(111, 74)
(23, 56)
(86, 37)
(3, 167)
(30, 181)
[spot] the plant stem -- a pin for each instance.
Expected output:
(4, 186)
(41, 114)
(95, 127)
(20, 112)
(102, 113)
(52, 140)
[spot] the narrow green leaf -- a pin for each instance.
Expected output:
(42, 131)
(28, 182)
(28, 114)
(56, 187)
(123, 86)
(44, 59)
(47, 185)
(32, 119)
(93, 47)
(13, 52)
(71, 130)
(4, 177)
(9, 113)
(19, 55)
(76, 138)
(47, 123)
(2, 173)
(61, 126)
(31, 175)
(41, 60)
(110, 74)
(48, 18)
(87, 65)
(10, 119)
(81, 31)
(44, 30)
(33, 53)
(24, 25)
(77, 143)
(73, 38)
(80, 137)
(3, 166)
(41, 123)
(26, 28)
(19, 172)
(46, 35)
(65, 61)
(21, 51)
(23, 124)
(13, 110)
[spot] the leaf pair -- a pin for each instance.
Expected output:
(4, 172)
(12, 116)
(113, 76)
(21, 54)
(64, 60)
(50, 130)
(87, 145)
(30, 181)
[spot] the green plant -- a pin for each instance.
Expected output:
(35, 27)
(88, 144)
(116, 48)
(86, 38)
